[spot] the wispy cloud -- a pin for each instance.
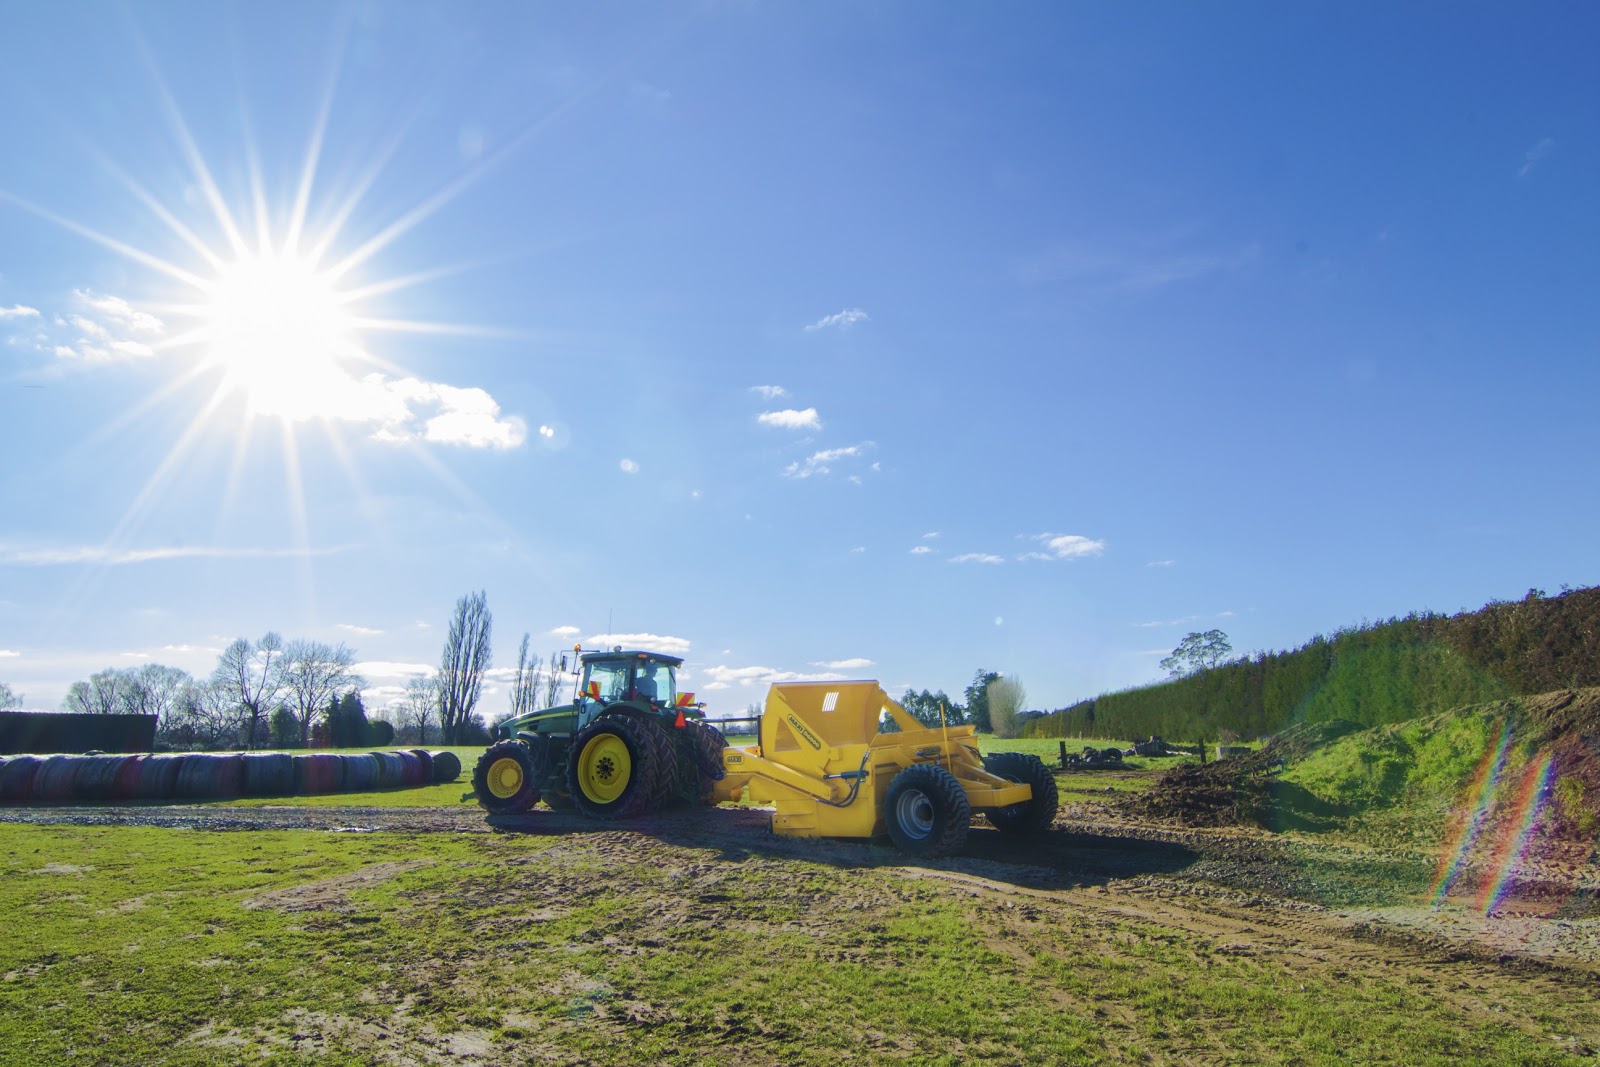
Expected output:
(1535, 154)
(840, 319)
(364, 631)
(977, 557)
(769, 392)
(723, 677)
(790, 419)
(100, 555)
(1102, 269)
(930, 535)
(105, 329)
(1063, 546)
(564, 631)
(920, 550)
(7, 653)
(672, 646)
(17, 311)
(1162, 563)
(1184, 621)
(820, 463)
(381, 668)
(855, 663)
(628, 466)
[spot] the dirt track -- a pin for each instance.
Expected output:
(1314, 903)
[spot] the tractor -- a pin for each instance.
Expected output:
(835, 759)
(629, 743)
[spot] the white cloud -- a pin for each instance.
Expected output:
(842, 319)
(1535, 154)
(920, 550)
(930, 535)
(859, 548)
(564, 631)
(17, 311)
(379, 668)
(853, 664)
(977, 557)
(628, 466)
(727, 677)
(1065, 546)
(790, 419)
(364, 631)
(672, 646)
(412, 410)
(11, 555)
(769, 392)
(819, 463)
(1162, 563)
(999, 620)
(108, 329)
(7, 653)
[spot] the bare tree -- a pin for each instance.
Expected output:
(525, 687)
(9, 698)
(103, 694)
(417, 708)
(211, 713)
(466, 656)
(552, 681)
(253, 677)
(313, 672)
(156, 690)
(1006, 698)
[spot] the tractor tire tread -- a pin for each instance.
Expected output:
(952, 813)
(1039, 813)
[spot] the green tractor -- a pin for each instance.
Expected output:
(627, 745)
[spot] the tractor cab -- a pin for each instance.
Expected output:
(644, 678)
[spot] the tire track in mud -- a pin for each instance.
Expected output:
(1247, 891)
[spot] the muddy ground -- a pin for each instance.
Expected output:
(1314, 901)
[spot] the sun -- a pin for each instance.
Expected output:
(281, 332)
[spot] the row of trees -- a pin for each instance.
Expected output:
(291, 693)
(994, 703)
(1402, 668)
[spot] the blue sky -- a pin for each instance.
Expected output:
(887, 340)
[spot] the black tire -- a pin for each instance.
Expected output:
(927, 811)
(1033, 816)
(603, 784)
(509, 775)
(557, 801)
(670, 769)
(706, 747)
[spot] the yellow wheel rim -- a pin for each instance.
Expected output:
(604, 768)
(505, 777)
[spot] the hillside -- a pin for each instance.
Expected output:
(1387, 672)
(1493, 788)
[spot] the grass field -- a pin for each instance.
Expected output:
(181, 947)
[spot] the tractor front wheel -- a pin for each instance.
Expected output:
(1032, 816)
(508, 776)
(613, 772)
(927, 811)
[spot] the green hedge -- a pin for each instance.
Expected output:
(1375, 674)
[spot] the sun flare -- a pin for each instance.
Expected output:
(281, 332)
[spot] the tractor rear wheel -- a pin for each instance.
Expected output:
(927, 811)
(706, 745)
(508, 776)
(613, 772)
(1032, 816)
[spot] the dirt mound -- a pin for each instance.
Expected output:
(1243, 790)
